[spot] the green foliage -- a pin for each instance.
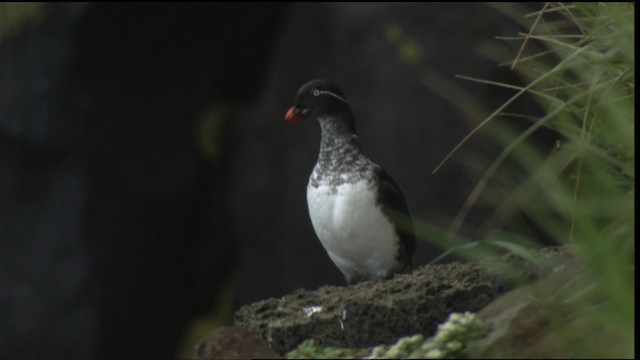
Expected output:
(450, 341)
(577, 60)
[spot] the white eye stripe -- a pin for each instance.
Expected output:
(317, 92)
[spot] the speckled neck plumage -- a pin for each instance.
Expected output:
(340, 159)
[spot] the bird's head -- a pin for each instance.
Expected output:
(318, 98)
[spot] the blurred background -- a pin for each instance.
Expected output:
(149, 185)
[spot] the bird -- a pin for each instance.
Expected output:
(357, 210)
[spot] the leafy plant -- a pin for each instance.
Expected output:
(577, 60)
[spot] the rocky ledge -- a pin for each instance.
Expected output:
(369, 313)
(373, 313)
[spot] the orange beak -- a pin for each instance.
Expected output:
(294, 114)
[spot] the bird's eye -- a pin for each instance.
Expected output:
(316, 92)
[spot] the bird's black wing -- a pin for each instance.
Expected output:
(395, 208)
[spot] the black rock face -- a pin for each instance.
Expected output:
(113, 226)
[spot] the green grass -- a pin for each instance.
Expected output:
(577, 61)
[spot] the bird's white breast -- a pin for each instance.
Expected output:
(352, 228)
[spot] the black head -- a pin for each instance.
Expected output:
(317, 98)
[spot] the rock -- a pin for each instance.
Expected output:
(369, 313)
(234, 343)
(511, 271)
(547, 320)
(114, 226)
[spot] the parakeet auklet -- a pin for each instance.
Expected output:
(357, 209)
